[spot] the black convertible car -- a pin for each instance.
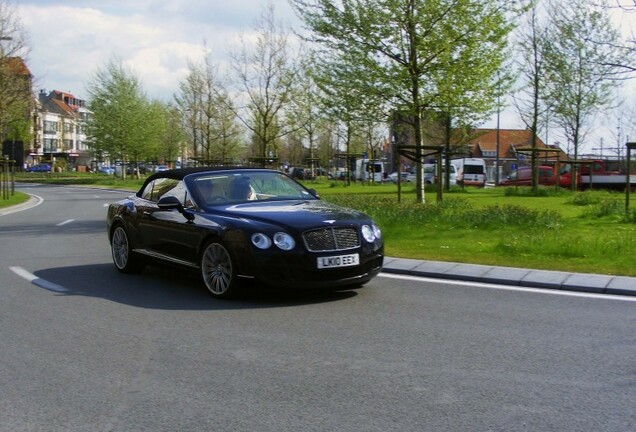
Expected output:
(234, 224)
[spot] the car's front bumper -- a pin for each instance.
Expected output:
(300, 270)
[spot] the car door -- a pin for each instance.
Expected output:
(168, 233)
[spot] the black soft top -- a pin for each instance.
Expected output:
(180, 173)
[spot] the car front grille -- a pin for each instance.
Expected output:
(331, 239)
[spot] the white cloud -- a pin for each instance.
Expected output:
(71, 40)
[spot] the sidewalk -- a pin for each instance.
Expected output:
(582, 282)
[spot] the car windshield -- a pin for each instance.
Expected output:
(228, 187)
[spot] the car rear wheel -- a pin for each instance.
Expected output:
(124, 258)
(217, 271)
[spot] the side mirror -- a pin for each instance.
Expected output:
(314, 193)
(172, 203)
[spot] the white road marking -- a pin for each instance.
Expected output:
(42, 283)
(67, 221)
(510, 287)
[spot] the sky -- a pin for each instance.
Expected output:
(71, 39)
(156, 39)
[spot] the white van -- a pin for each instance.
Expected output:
(430, 174)
(470, 171)
(366, 168)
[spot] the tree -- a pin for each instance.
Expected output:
(627, 65)
(581, 72)
(402, 51)
(210, 114)
(190, 103)
(123, 122)
(531, 99)
(266, 73)
(16, 95)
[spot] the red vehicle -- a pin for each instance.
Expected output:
(523, 177)
(599, 174)
(592, 174)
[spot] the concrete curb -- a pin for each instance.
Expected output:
(557, 280)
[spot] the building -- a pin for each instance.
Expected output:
(59, 131)
(513, 150)
(503, 150)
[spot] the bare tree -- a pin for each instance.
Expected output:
(582, 73)
(531, 99)
(266, 73)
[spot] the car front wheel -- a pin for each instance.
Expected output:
(124, 258)
(217, 271)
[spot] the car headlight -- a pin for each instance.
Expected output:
(376, 231)
(284, 241)
(261, 241)
(368, 234)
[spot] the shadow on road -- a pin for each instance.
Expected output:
(172, 289)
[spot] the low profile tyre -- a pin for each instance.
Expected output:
(217, 271)
(124, 258)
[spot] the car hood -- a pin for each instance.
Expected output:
(299, 214)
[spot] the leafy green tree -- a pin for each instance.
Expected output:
(16, 95)
(404, 51)
(123, 122)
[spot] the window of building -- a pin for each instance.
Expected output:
(50, 145)
(50, 126)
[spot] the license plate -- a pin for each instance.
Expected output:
(338, 261)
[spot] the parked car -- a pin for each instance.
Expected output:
(39, 168)
(406, 177)
(106, 170)
(301, 173)
(523, 177)
(233, 225)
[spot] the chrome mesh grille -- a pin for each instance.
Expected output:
(331, 239)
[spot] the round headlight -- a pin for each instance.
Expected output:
(376, 231)
(367, 233)
(284, 241)
(261, 241)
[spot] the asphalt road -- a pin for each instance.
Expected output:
(84, 348)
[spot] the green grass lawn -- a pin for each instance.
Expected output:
(587, 232)
(13, 199)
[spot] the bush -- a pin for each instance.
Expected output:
(452, 213)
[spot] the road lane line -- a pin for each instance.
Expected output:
(42, 283)
(509, 287)
(67, 221)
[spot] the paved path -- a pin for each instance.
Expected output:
(584, 282)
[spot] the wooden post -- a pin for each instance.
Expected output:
(628, 184)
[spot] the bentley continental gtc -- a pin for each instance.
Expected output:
(237, 224)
